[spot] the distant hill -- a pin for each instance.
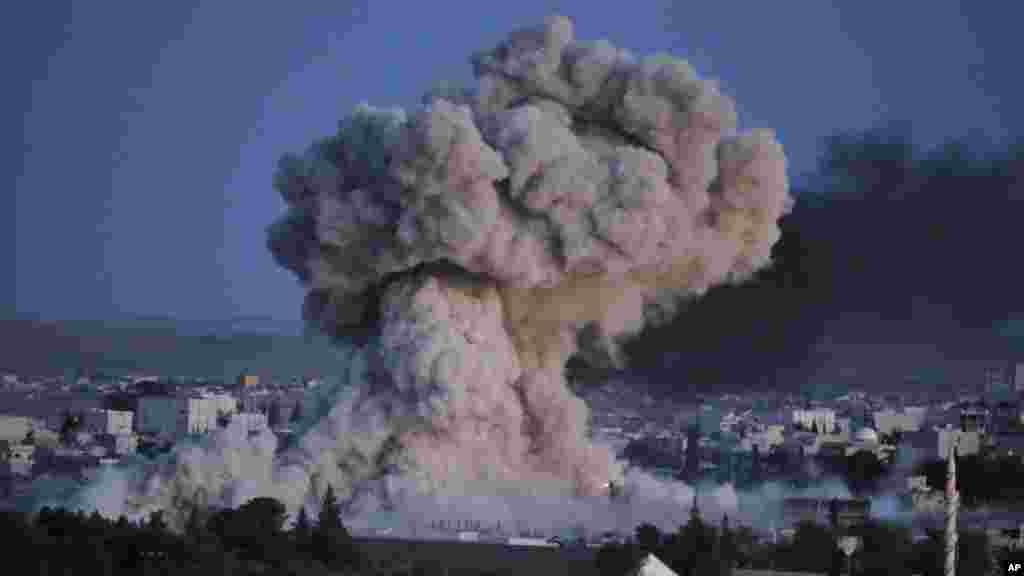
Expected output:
(164, 345)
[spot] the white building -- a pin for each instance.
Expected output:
(113, 422)
(251, 421)
(907, 420)
(765, 440)
(180, 415)
(866, 440)
(969, 442)
(824, 419)
(199, 414)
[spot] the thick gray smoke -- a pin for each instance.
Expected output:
(464, 247)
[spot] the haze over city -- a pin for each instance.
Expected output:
(587, 281)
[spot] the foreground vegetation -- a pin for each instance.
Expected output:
(253, 539)
(697, 549)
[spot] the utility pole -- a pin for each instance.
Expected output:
(952, 503)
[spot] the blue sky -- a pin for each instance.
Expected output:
(149, 131)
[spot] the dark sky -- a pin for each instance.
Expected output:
(149, 131)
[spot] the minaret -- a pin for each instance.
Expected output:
(952, 503)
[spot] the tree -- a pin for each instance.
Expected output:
(68, 428)
(811, 549)
(648, 537)
(156, 522)
(974, 554)
(885, 549)
(693, 545)
(863, 470)
(617, 559)
(201, 544)
(726, 549)
(302, 531)
(332, 544)
(256, 528)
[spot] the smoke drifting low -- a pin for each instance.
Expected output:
(468, 248)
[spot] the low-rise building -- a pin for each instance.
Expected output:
(119, 444)
(171, 416)
(909, 419)
(766, 439)
(974, 417)
(968, 441)
(16, 459)
(821, 419)
(252, 422)
(849, 512)
(113, 422)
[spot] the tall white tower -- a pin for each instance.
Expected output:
(952, 503)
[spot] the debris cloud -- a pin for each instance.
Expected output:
(465, 250)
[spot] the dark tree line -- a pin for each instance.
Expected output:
(696, 548)
(885, 549)
(250, 539)
(980, 479)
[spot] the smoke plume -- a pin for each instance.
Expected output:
(468, 248)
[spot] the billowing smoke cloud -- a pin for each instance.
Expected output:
(468, 248)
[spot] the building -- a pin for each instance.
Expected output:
(974, 418)
(252, 422)
(909, 419)
(969, 441)
(1018, 377)
(171, 416)
(650, 565)
(113, 422)
(16, 460)
(766, 439)
(848, 512)
(822, 419)
(248, 381)
(202, 412)
(119, 444)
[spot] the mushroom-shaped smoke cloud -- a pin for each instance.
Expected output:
(466, 246)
